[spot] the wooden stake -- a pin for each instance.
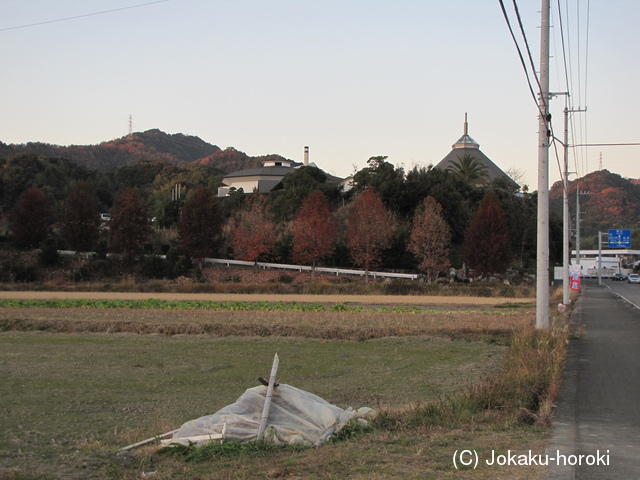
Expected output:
(148, 440)
(267, 400)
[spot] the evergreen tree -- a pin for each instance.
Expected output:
(487, 244)
(129, 226)
(30, 219)
(200, 226)
(81, 219)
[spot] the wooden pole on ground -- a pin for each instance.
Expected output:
(267, 400)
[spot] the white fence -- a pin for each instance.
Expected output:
(281, 266)
(306, 268)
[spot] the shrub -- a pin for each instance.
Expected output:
(48, 254)
(284, 278)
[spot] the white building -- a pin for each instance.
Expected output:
(613, 261)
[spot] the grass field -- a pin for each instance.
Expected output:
(78, 384)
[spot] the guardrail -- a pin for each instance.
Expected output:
(281, 266)
(306, 268)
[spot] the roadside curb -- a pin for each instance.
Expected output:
(563, 438)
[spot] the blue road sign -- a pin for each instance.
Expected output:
(619, 238)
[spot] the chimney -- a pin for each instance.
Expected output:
(306, 156)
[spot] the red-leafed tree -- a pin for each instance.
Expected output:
(129, 226)
(487, 242)
(200, 225)
(254, 234)
(369, 231)
(314, 230)
(430, 239)
(81, 218)
(31, 219)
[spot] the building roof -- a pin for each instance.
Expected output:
(262, 171)
(468, 146)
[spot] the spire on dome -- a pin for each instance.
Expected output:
(465, 141)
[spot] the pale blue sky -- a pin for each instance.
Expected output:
(350, 78)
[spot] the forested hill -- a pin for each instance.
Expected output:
(152, 145)
(612, 201)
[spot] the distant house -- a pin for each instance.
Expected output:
(262, 179)
(468, 146)
(265, 178)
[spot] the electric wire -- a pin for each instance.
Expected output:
(522, 60)
(81, 16)
(526, 43)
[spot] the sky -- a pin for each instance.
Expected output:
(351, 79)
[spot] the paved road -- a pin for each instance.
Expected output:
(598, 410)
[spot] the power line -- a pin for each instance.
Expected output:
(82, 16)
(522, 60)
(607, 145)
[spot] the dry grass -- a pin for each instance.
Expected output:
(436, 375)
(326, 325)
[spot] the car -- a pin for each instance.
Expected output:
(633, 278)
(619, 277)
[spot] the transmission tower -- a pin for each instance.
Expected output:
(130, 124)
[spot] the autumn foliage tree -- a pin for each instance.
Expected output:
(487, 243)
(30, 219)
(200, 225)
(430, 239)
(254, 233)
(81, 219)
(129, 226)
(370, 229)
(314, 230)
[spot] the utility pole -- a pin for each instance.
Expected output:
(578, 213)
(566, 250)
(542, 271)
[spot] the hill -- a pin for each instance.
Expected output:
(151, 146)
(612, 202)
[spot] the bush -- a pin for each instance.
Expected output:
(17, 268)
(154, 266)
(284, 278)
(48, 254)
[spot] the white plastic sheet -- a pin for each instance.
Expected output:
(295, 417)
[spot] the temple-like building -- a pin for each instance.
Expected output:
(468, 146)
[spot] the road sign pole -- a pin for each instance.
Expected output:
(599, 258)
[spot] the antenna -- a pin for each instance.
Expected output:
(600, 161)
(130, 124)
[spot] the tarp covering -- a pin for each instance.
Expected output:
(295, 417)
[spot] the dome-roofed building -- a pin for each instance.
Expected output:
(468, 147)
(266, 178)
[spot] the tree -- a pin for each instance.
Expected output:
(370, 228)
(129, 226)
(81, 219)
(314, 230)
(31, 219)
(487, 246)
(254, 234)
(298, 185)
(386, 179)
(430, 239)
(470, 169)
(200, 225)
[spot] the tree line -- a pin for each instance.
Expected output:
(425, 219)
